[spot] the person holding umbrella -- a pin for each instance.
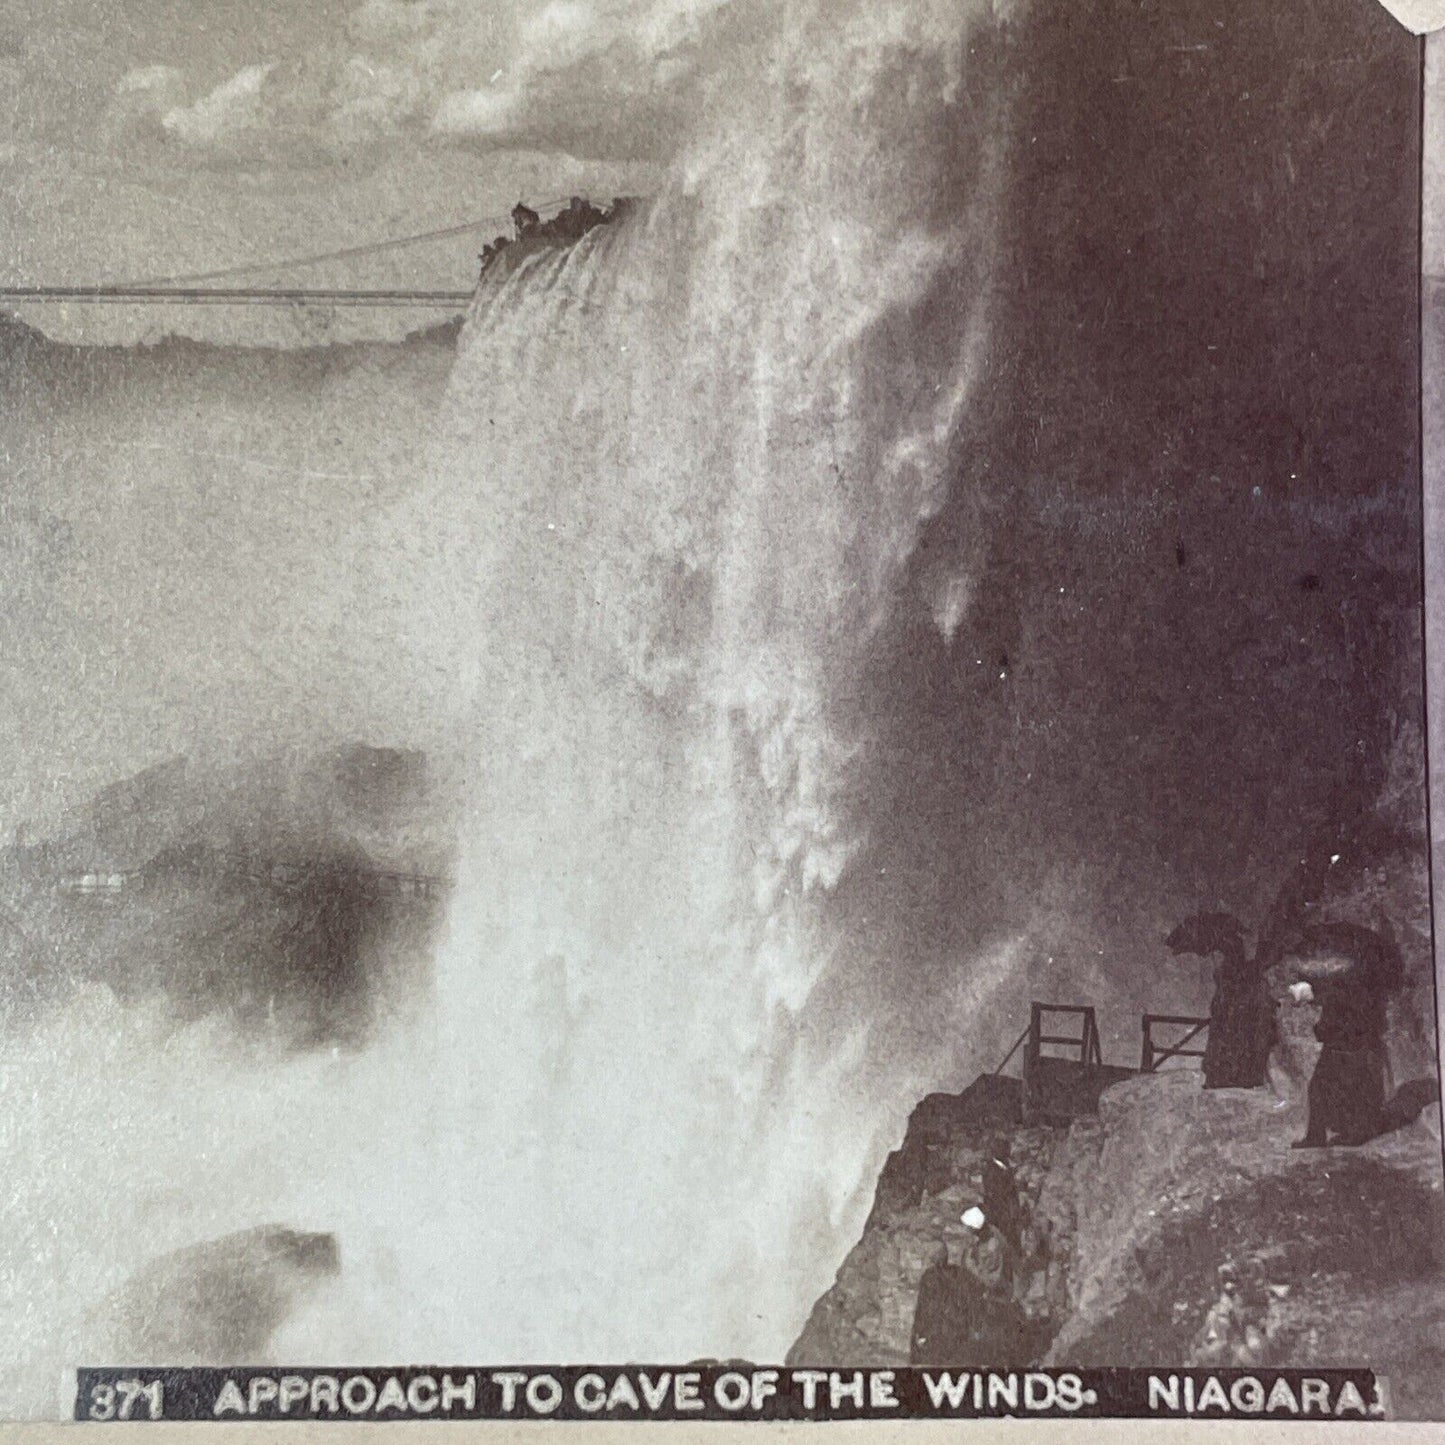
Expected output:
(1241, 1013)
(1350, 971)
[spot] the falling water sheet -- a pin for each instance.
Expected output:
(809, 768)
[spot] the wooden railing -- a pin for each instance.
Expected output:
(1087, 1042)
(1064, 1073)
(1154, 1054)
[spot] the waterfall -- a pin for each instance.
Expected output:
(889, 585)
(694, 454)
(687, 989)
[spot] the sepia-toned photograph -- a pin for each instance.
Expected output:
(727, 692)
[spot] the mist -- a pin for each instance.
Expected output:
(962, 523)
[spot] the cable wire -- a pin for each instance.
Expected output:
(263, 268)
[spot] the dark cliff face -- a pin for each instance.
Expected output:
(1175, 1227)
(1176, 1224)
(1198, 566)
(916, 1229)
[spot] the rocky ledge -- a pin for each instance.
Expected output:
(1175, 1227)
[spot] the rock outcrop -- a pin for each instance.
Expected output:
(1177, 1226)
(213, 1303)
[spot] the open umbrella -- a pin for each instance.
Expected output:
(1206, 933)
(1358, 955)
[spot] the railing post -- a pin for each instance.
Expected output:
(1146, 1057)
(1031, 1060)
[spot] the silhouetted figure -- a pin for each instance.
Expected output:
(492, 250)
(949, 1318)
(960, 1320)
(1241, 1013)
(1351, 970)
(579, 218)
(1347, 1088)
(1000, 1202)
(524, 219)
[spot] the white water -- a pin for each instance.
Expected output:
(704, 443)
(690, 460)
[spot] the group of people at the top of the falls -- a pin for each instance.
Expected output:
(569, 224)
(1347, 969)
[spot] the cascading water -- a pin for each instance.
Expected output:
(700, 447)
(820, 639)
(689, 461)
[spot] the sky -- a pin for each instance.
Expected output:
(146, 138)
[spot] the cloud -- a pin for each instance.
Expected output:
(618, 81)
(151, 80)
(233, 106)
(599, 79)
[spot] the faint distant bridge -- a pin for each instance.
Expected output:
(194, 289)
(232, 296)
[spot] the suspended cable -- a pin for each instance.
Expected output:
(263, 268)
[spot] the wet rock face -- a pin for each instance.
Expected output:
(1244, 1323)
(920, 1279)
(1178, 1225)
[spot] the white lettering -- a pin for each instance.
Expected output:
(622, 1394)
(1033, 1398)
(944, 1388)
(731, 1390)
(358, 1394)
(1212, 1396)
(1003, 1388)
(229, 1399)
(810, 1380)
(1162, 1396)
(590, 1393)
(1281, 1397)
(1069, 1392)
(509, 1380)
(466, 1392)
(685, 1389)
(654, 1391)
(1350, 1399)
(261, 1392)
(421, 1394)
(392, 1396)
(544, 1394)
(293, 1391)
(1247, 1394)
(880, 1390)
